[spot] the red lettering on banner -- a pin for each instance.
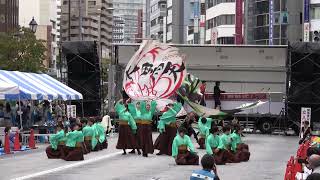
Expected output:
(239, 96)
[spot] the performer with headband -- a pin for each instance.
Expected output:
(145, 127)
(135, 112)
(168, 129)
(127, 128)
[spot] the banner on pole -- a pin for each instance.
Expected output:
(305, 116)
(155, 71)
(71, 111)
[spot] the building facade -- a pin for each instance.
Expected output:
(9, 15)
(118, 29)
(45, 13)
(132, 13)
(273, 22)
(89, 20)
(158, 11)
(311, 20)
(220, 21)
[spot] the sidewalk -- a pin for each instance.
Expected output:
(40, 147)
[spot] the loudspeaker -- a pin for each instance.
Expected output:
(84, 74)
(303, 80)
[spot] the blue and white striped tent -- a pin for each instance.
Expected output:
(34, 86)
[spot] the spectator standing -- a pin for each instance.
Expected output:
(314, 164)
(58, 110)
(216, 95)
(208, 165)
(8, 115)
(203, 91)
(305, 131)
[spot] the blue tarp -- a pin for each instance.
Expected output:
(34, 86)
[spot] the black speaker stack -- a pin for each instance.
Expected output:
(303, 80)
(83, 74)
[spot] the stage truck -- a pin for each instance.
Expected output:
(247, 74)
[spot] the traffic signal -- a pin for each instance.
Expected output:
(316, 36)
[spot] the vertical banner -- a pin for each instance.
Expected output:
(202, 21)
(270, 22)
(71, 111)
(305, 116)
(214, 36)
(239, 16)
(196, 14)
(306, 20)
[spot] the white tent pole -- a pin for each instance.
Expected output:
(20, 113)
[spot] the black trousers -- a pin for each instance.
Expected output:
(217, 102)
(191, 131)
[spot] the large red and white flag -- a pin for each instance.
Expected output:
(154, 72)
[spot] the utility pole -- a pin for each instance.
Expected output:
(69, 19)
(80, 21)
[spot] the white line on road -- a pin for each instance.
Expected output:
(77, 164)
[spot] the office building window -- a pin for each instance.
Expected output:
(225, 40)
(222, 20)
(209, 24)
(262, 7)
(263, 20)
(315, 12)
(209, 3)
(153, 22)
(91, 3)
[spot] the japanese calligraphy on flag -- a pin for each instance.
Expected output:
(155, 71)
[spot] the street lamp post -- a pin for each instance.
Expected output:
(110, 72)
(33, 25)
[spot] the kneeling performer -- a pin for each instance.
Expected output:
(240, 149)
(73, 150)
(183, 149)
(57, 144)
(215, 147)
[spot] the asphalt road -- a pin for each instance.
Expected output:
(269, 155)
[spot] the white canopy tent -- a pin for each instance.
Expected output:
(7, 89)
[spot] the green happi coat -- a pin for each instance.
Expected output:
(124, 115)
(73, 138)
(169, 117)
(213, 141)
(90, 131)
(145, 114)
(56, 138)
(204, 129)
(100, 132)
(178, 141)
(236, 139)
(135, 113)
(226, 140)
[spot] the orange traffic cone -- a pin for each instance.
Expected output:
(32, 144)
(17, 145)
(7, 144)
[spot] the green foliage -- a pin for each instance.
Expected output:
(22, 52)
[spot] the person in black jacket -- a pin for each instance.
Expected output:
(216, 95)
(190, 118)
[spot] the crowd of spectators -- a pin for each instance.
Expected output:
(32, 113)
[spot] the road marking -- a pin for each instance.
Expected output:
(77, 164)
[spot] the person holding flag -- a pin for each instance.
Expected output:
(168, 129)
(127, 128)
(145, 127)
